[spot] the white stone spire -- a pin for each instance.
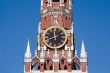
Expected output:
(83, 52)
(28, 53)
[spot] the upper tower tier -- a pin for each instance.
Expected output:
(58, 12)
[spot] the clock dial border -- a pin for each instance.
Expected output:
(53, 46)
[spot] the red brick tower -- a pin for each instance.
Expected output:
(56, 50)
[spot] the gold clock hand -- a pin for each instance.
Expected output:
(52, 37)
(54, 34)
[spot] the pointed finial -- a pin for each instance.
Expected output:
(35, 52)
(72, 28)
(83, 52)
(42, 53)
(38, 46)
(56, 54)
(75, 52)
(69, 52)
(55, 51)
(66, 47)
(45, 47)
(48, 52)
(39, 27)
(62, 52)
(28, 53)
(55, 20)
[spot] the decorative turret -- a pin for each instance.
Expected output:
(83, 58)
(27, 59)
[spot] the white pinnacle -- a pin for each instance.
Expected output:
(39, 27)
(48, 52)
(42, 53)
(69, 52)
(72, 28)
(83, 52)
(56, 54)
(28, 53)
(62, 52)
(35, 52)
(75, 52)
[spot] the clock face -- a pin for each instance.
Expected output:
(55, 37)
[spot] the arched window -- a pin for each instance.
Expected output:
(47, 61)
(62, 61)
(56, 0)
(64, 1)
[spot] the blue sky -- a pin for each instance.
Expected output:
(19, 21)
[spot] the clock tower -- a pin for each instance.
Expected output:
(56, 51)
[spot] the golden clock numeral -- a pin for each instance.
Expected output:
(50, 30)
(50, 43)
(54, 44)
(63, 37)
(58, 43)
(47, 40)
(62, 33)
(46, 37)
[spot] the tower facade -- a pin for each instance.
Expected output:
(55, 50)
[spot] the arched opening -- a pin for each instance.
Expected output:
(48, 65)
(65, 1)
(62, 65)
(56, 0)
(75, 63)
(35, 64)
